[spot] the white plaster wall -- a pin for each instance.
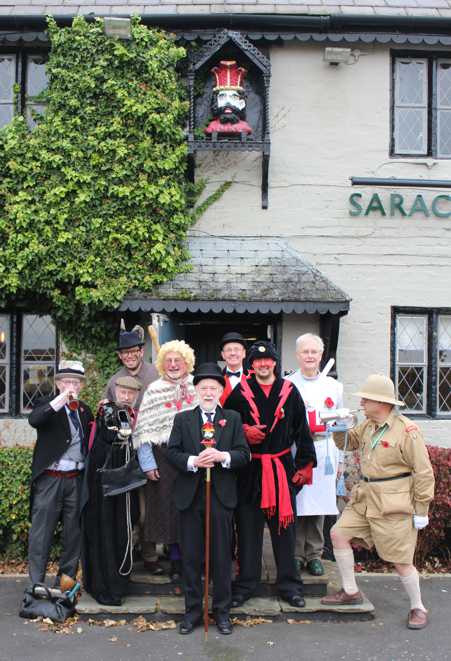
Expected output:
(16, 432)
(294, 325)
(328, 124)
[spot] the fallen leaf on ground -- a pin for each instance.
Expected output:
(250, 621)
(107, 623)
(67, 627)
(290, 621)
(141, 624)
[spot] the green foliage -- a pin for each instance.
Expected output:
(93, 201)
(15, 474)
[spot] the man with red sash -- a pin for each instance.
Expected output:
(274, 420)
(233, 353)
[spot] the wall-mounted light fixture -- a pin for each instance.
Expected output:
(2, 336)
(120, 28)
(336, 56)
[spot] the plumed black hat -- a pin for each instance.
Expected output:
(209, 371)
(233, 337)
(262, 349)
(129, 339)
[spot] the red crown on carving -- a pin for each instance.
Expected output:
(229, 75)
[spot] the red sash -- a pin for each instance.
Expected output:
(269, 498)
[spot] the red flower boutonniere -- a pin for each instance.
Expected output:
(168, 405)
(222, 422)
(385, 444)
(329, 402)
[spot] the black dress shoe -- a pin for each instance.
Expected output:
(224, 626)
(187, 626)
(297, 601)
(237, 601)
(108, 599)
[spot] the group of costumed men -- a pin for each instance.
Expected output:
(274, 461)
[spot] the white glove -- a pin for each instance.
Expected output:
(420, 522)
(59, 401)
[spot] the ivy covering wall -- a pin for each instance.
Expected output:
(94, 201)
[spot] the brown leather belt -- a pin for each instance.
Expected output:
(384, 479)
(75, 473)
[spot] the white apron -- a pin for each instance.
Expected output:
(319, 393)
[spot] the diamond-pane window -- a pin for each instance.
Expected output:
(4, 362)
(7, 80)
(444, 365)
(38, 359)
(411, 106)
(36, 83)
(411, 361)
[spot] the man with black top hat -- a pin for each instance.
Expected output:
(62, 424)
(229, 454)
(233, 352)
(274, 419)
(130, 351)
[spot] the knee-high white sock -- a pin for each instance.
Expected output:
(411, 585)
(345, 563)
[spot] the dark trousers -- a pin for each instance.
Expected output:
(192, 531)
(250, 521)
(54, 498)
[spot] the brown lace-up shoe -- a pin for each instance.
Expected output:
(417, 619)
(342, 598)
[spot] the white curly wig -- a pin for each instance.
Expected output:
(178, 346)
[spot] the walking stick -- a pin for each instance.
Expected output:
(208, 441)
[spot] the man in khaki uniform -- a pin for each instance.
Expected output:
(390, 503)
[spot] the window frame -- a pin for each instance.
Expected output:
(21, 56)
(432, 57)
(14, 405)
(7, 363)
(432, 369)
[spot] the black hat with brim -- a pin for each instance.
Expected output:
(128, 340)
(263, 349)
(209, 371)
(232, 337)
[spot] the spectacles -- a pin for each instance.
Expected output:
(130, 352)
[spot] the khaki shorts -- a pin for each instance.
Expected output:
(394, 536)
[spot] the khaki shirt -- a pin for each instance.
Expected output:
(400, 450)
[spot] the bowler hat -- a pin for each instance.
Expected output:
(379, 388)
(209, 371)
(262, 349)
(233, 337)
(129, 339)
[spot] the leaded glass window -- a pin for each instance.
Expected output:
(421, 112)
(38, 359)
(4, 362)
(411, 361)
(36, 83)
(7, 81)
(411, 106)
(444, 365)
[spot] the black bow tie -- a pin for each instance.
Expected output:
(229, 373)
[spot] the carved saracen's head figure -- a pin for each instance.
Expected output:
(229, 101)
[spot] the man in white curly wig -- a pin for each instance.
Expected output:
(171, 393)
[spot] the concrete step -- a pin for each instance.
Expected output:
(161, 607)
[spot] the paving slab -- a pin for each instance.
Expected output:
(258, 606)
(87, 605)
(314, 605)
(171, 605)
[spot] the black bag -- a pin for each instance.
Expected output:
(40, 601)
(116, 481)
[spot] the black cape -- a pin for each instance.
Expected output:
(290, 429)
(105, 535)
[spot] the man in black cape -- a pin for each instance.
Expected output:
(107, 521)
(274, 419)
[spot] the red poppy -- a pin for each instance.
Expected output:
(168, 405)
(222, 422)
(385, 444)
(329, 402)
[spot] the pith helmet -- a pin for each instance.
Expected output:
(379, 388)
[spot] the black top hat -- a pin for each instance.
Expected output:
(263, 349)
(209, 371)
(129, 339)
(233, 337)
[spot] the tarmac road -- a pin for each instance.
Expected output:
(384, 638)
